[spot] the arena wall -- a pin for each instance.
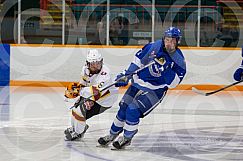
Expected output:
(60, 64)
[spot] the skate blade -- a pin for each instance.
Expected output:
(76, 140)
(115, 149)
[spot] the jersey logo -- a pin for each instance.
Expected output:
(154, 70)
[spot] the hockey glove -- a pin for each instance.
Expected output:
(238, 75)
(72, 90)
(122, 80)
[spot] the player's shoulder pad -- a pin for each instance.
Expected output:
(156, 44)
(153, 46)
(146, 48)
(141, 53)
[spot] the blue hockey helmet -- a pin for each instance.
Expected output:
(174, 33)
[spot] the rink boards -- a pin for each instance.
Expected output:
(54, 65)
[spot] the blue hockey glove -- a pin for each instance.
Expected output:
(238, 75)
(121, 81)
(124, 81)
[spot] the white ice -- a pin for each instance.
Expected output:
(185, 126)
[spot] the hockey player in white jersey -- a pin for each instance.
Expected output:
(95, 76)
(148, 87)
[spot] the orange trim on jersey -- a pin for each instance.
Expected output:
(78, 117)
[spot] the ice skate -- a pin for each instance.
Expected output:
(106, 140)
(71, 135)
(121, 143)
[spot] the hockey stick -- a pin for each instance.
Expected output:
(213, 92)
(76, 104)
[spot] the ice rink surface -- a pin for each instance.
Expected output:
(185, 126)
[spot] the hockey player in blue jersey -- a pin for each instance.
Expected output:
(148, 86)
(238, 75)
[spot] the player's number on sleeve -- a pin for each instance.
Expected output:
(138, 53)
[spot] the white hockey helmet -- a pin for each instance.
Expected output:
(94, 61)
(93, 56)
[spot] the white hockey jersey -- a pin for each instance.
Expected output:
(95, 83)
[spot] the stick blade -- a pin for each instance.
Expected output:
(198, 91)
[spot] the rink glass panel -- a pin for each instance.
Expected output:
(130, 22)
(228, 25)
(8, 17)
(87, 23)
(41, 22)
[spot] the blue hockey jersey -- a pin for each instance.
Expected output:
(151, 78)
